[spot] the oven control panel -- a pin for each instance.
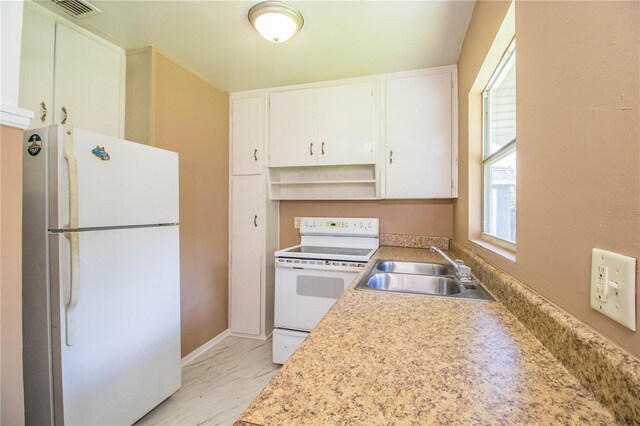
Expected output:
(339, 226)
(329, 265)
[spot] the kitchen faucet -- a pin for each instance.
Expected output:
(462, 271)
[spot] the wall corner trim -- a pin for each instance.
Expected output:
(14, 116)
(188, 359)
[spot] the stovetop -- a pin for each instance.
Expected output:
(327, 253)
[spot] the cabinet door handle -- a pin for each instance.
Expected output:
(255, 221)
(43, 117)
(64, 115)
(322, 148)
(311, 148)
(390, 157)
(255, 154)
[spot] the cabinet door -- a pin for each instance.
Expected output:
(346, 124)
(293, 128)
(246, 225)
(36, 67)
(246, 135)
(87, 82)
(418, 136)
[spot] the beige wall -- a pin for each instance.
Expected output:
(192, 118)
(12, 403)
(417, 217)
(578, 144)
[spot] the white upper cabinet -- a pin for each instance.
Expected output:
(247, 132)
(346, 124)
(88, 83)
(64, 68)
(418, 130)
(322, 126)
(36, 67)
(392, 136)
(293, 123)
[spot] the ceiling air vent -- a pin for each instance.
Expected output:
(78, 8)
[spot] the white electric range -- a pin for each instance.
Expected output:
(310, 277)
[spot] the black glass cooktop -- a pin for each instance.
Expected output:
(346, 251)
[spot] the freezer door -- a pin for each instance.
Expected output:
(125, 357)
(119, 183)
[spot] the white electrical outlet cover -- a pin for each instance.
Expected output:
(619, 303)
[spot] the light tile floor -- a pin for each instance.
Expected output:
(218, 386)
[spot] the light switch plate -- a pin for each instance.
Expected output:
(296, 223)
(613, 286)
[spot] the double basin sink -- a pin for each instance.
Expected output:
(433, 279)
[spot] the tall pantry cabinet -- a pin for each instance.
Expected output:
(253, 222)
(70, 76)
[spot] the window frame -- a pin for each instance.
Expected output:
(504, 151)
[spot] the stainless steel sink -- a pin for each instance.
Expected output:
(414, 268)
(410, 283)
(431, 279)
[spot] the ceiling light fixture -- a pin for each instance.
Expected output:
(276, 21)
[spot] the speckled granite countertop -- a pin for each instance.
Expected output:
(381, 358)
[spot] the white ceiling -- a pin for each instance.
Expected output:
(340, 39)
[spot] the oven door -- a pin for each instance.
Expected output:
(304, 295)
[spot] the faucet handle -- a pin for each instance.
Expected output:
(463, 272)
(459, 262)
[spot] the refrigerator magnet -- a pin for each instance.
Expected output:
(99, 152)
(35, 145)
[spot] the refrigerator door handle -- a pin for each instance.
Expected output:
(73, 237)
(74, 288)
(73, 177)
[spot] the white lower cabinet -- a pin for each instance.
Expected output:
(246, 255)
(253, 240)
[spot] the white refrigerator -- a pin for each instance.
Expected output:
(101, 277)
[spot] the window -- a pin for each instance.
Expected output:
(499, 153)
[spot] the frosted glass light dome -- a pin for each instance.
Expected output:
(275, 21)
